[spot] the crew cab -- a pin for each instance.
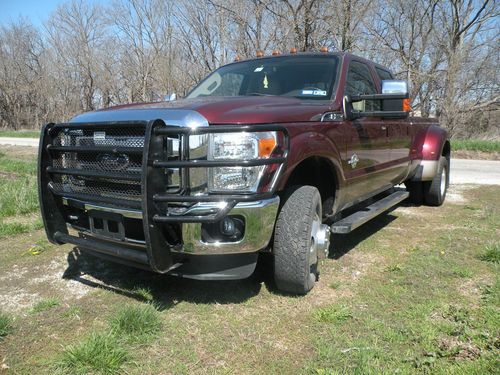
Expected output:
(270, 154)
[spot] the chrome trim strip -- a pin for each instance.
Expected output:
(133, 214)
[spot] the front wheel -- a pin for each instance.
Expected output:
(300, 237)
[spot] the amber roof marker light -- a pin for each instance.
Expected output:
(237, 58)
(276, 52)
(293, 51)
(323, 49)
(260, 53)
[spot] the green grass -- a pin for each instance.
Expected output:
(20, 133)
(136, 323)
(415, 297)
(462, 272)
(12, 228)
(72, 312)
(99, 353)
(335, 284)
(333, 314)
(413, 312)
(6, 324)
(475, 145)
(18, 196)
(44, 305)
(491, 253)
(143, 293)
(16, 166)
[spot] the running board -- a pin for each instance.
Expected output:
(349, 223)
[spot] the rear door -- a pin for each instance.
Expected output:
(367, 149)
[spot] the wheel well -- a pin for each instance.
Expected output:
(446, 150)
(318, 172)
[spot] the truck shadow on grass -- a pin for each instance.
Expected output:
(341, 244)
(162, 290)
(166, 291)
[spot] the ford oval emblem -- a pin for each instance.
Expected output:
(110, 161)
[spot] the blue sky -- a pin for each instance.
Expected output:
(35, 10)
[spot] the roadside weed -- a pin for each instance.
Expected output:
(44, 305)
(491, 253)
(6, 322)
(332, 314)
(99, 353)
(136, 323)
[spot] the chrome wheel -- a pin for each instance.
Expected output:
(442, 186)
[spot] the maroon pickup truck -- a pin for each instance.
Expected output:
(264, 155)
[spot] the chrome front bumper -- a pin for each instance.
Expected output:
(259, 216)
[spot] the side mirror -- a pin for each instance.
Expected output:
(395, 102)
(395, 86)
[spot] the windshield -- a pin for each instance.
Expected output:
(304, 77)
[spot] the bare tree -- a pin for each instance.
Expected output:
(90, 56)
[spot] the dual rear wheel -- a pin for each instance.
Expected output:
(432, 193)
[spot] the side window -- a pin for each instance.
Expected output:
(360, 81)
(383, 74)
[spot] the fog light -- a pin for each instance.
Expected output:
(227, 227)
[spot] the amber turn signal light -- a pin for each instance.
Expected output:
(406, 105)
(266, 147)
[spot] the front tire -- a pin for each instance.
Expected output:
(298, 235)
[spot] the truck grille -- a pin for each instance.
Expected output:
(99, 163)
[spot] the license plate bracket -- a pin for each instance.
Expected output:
(107, 224)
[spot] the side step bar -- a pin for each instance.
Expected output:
(349, 223)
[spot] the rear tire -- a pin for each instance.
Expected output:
(435, 190)
(295, 257)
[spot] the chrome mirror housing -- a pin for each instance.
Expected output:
(395, 86)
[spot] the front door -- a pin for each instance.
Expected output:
(367, 157)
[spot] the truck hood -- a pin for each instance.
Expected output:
(215, 110)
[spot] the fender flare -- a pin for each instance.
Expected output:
(307, 145)
(427, 148)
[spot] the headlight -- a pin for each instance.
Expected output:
(239, 146)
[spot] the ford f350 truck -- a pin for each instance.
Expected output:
(269, 155)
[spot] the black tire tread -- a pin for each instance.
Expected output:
(292, 240)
